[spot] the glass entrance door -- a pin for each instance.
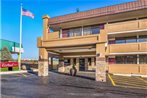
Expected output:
(82, 64)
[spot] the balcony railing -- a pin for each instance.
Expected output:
(81, 40)
(127, 48)
(127, 26)
(128, 68)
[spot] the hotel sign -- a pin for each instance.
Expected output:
(8, 64)
(17, 49)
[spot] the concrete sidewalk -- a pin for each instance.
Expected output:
(16, 72)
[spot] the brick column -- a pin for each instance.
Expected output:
(77, 64)
(61, 67)
(43, 62)
(100, 69)
(86, 64)
(100, 62)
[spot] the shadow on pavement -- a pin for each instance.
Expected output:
(81, 76)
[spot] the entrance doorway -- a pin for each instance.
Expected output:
(82, 64)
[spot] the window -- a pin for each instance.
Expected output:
(111, 42)
(66, 62)
(119, 60)
(143, 59)
(89, 61)
(120, 40)
(131, 39)
(78, 32)
(111, 60)
(87, 31)
(95, 30)
(65, 33)
(142, 38)
(132, 59)
(126, 40)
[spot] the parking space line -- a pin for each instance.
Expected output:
(142, 79)
(128, 82)
(133, 84)
(130, 87)
(113, 83)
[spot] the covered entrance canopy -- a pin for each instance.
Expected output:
(74, 51)
(82, 57)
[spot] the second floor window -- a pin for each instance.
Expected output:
(133, 39)
(142, 38)
(78, 31)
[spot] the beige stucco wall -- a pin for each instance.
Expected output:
(129, 47)
(128, 68)
(126, 26)
(71, 41)
(53, 35)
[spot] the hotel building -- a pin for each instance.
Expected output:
(111, 39)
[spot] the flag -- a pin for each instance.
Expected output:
(27, 13)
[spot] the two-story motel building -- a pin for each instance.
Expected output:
(112, 38)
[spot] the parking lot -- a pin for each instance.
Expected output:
(56, 85)
(128, 82)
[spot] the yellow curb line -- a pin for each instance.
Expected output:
(113, 83)
(142, 79)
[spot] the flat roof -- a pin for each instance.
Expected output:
(109, 10)
(10, 45)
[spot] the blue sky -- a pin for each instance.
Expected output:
(32, 28)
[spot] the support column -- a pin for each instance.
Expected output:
(100, 69)
(45, 27)
(71, 62)
(61, 67)
(100, 63)
(92, 62)
(43, 62)
(52, 65)
(77, 64)
(86, 64)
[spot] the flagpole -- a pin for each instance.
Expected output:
(20, 40)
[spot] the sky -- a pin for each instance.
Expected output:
(32, 28)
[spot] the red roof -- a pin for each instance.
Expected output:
(130, 6)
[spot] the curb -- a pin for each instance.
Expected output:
(15, 72)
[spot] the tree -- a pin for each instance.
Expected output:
(5, 55)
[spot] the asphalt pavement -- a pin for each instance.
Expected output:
(29, 85)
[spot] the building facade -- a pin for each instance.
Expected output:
(111, 39)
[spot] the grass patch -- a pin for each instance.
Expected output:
(15, 68)
(6, 69)
(3, 69)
